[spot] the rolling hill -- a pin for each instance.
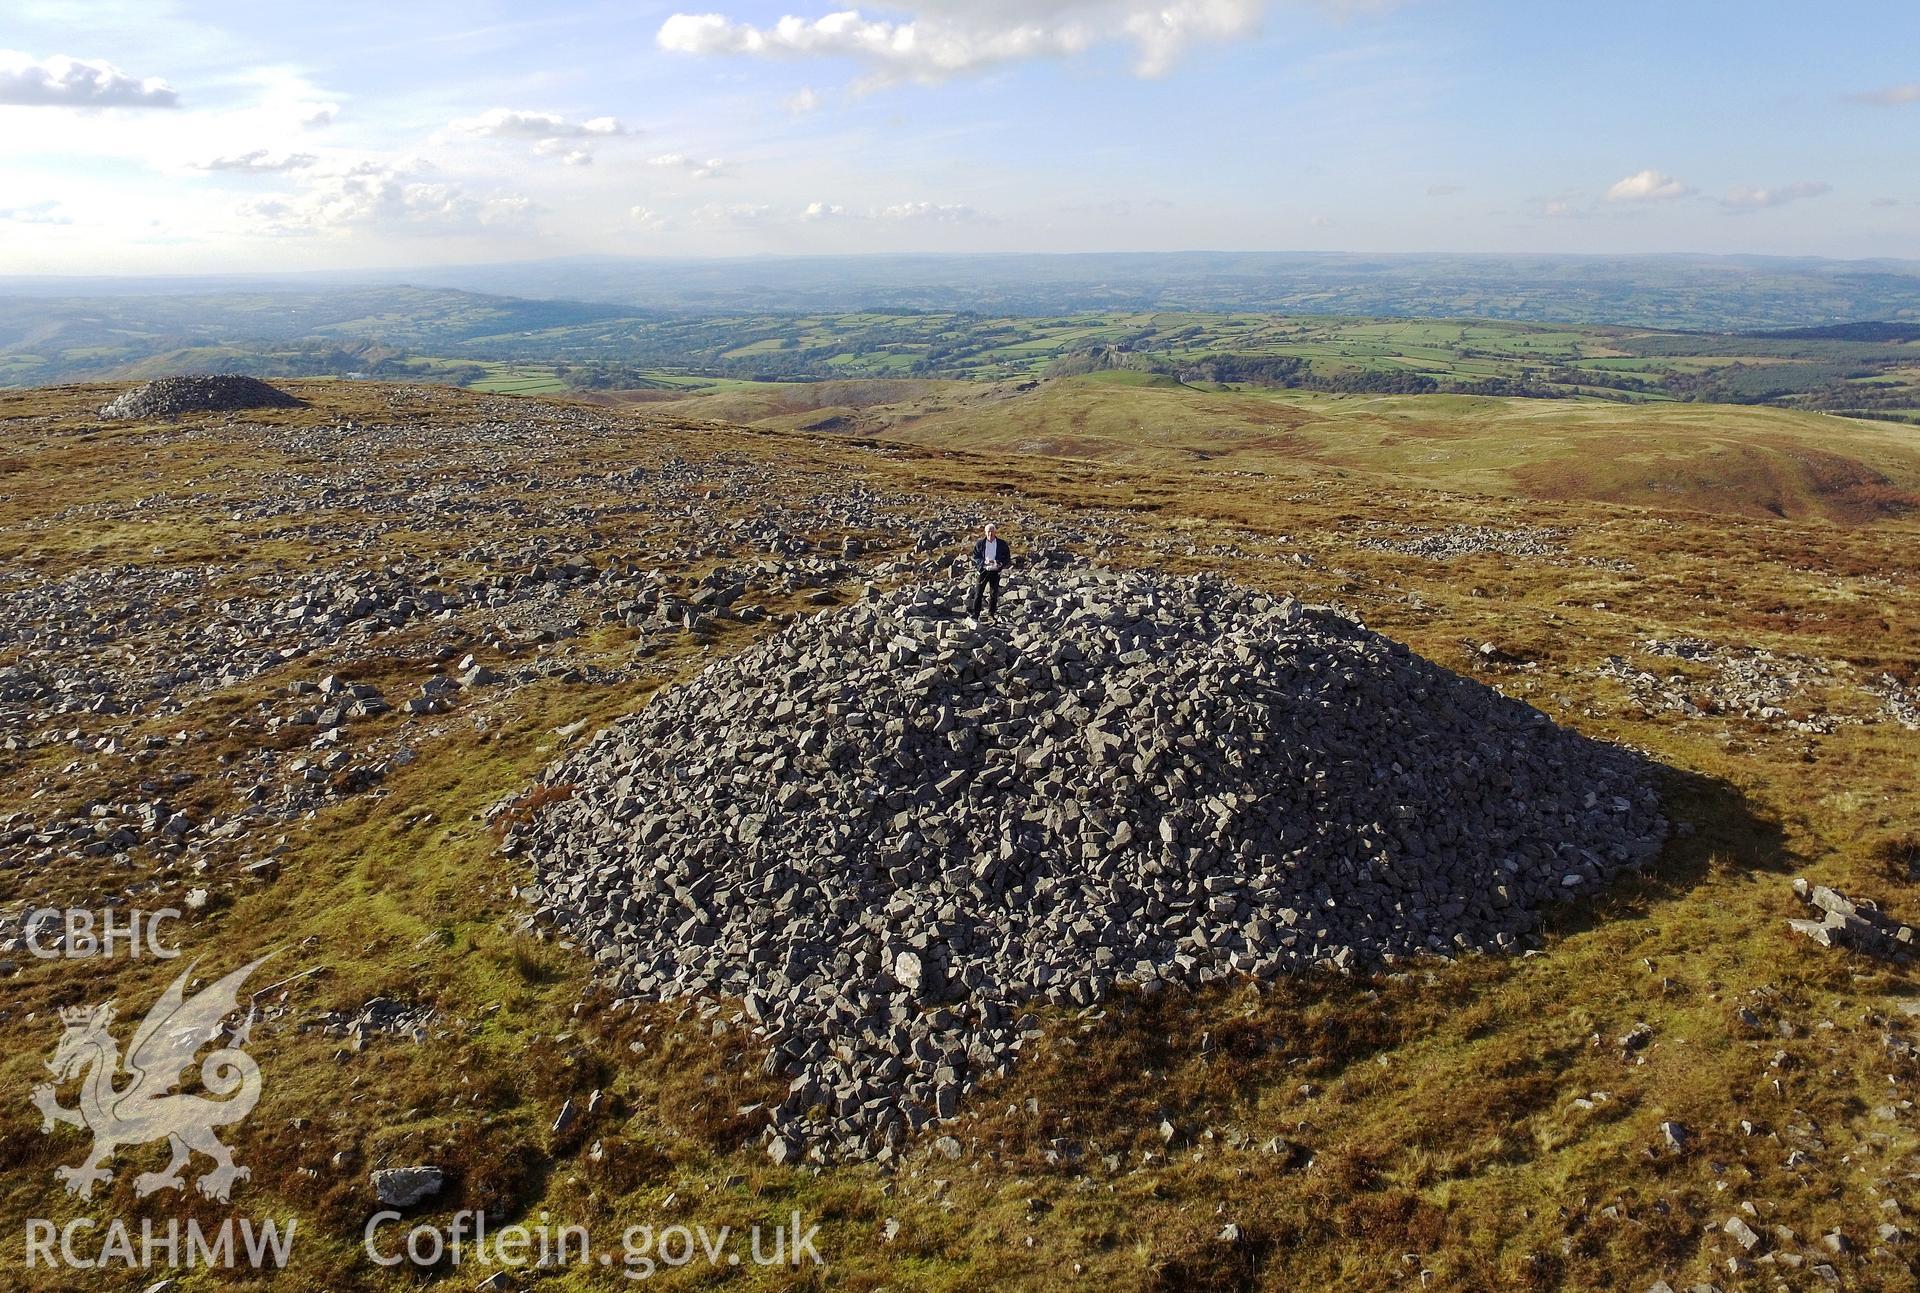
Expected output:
(1738, 460)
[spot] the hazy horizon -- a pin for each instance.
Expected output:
(387, 273)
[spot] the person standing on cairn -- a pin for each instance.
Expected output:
(991, 555)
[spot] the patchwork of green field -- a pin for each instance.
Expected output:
(519, 379)
(1234, 350)
(503, 344)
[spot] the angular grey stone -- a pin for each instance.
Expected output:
(402, 1187)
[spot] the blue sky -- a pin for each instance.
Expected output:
(155, 137)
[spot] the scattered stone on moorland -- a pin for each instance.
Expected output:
(170, 397)
(1472, 540)
(888, 830)
(1856, 923)
(402, 1187)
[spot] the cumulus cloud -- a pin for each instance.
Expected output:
(820, 212)
(552, 134)
(63, 82)
(929, 212)
(1748, 198)
(1891, 97)
(945, 38)
(567, 150)
(736, 213)
(506, 123)
(407, 197)
(1647, 186)
(315, 115)
(803, 102)
(258, 161)
(647, 218)
(712, 168)
(36, 213)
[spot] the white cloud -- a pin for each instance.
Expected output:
(736, 213)
(930, 212)
(284, 104)
(552, 134)
(900, 213)
(713, 168)
(648, 218)
(566, 150)
(66, 82)
(1647, 186)
(258, 161)
(506, 123)
(1561, 209)
(945, 38)
(36, 213)
(1891, 97)
(1162, 33)
(1748, 198)
(803, 102)
(408, 197)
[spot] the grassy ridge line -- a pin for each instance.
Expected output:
(1733, 459)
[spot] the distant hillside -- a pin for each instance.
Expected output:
(63, 338)
(1874, 331)
(1714, 293)
(1712, 458)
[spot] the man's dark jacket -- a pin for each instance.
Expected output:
(1002, 552)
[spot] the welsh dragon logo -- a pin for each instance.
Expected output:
(147, 1108)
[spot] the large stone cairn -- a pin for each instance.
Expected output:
(170, 397)
(889, 832)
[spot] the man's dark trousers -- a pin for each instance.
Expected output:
(988, 582)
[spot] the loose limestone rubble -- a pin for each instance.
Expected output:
(172, 396)
(886, 829)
